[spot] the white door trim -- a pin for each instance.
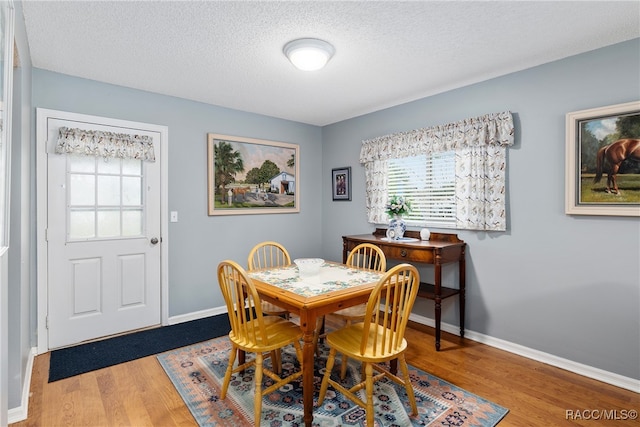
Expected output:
(42, 115)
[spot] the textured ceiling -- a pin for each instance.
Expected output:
(387, 53)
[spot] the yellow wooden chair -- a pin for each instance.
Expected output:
(267, 255)
(253, 332)
(370, 257)
(377, 339)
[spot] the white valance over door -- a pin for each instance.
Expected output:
(105, 144)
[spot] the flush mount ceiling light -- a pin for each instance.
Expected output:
(308, 54)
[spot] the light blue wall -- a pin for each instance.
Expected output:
(198, 242)
(564, 285)
(21, 252)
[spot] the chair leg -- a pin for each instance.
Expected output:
(227, 375)
(343, 367)
(369, 389)
(298, 347)
(276, 355)
(242, 358)
(257, 404)
(316, 334)
(345, 359)
(276, 361)
(407, 384)
(327, 374)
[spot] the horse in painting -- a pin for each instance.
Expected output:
(614, 154)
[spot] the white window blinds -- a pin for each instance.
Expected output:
(429, 182)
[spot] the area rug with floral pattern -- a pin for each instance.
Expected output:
(197, 372)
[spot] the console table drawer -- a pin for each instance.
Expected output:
(416, 255)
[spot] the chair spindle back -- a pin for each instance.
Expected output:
(388, 310)
(369, 256)
(267, 255)
(243, 303)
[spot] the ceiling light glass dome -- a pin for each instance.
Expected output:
(309, 54)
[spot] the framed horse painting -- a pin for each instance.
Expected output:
(602, 174)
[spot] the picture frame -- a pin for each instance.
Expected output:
(601, 176)
(341, 184)
(252, 176)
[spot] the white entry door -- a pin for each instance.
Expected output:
(103, 237)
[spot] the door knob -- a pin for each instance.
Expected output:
(154, 241)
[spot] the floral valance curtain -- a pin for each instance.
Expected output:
(490, 129)
(105, 144)
(480, 148)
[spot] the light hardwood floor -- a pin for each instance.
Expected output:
(139, 393)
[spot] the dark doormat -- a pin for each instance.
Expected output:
(70, 361)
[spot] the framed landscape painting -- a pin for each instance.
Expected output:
(602, 174)
(252, 176)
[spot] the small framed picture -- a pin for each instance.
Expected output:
(602, 175)
(341, 183)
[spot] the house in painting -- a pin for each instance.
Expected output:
(283, 183)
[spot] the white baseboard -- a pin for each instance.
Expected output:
(559, 362)
(174, 320)
(20, 413)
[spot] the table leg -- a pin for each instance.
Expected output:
(308, 325)
(461, 314)
(437, 298)
(462, 282)
(438, 307)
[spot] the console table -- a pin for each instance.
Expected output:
(440, 249)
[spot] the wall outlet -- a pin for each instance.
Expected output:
(174, 216)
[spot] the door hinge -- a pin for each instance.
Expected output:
(46, 321)
(46, 234)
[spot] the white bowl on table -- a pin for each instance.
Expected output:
(308, 266)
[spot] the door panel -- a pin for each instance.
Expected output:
(103, 240)
(132, 281)
(86, 286)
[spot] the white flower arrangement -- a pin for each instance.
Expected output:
(398, 205)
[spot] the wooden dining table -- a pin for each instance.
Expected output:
(334, 287)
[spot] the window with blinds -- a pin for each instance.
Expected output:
(428, 181)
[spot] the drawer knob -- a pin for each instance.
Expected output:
(403, 252)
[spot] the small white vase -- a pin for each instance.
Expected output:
(425, 234)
